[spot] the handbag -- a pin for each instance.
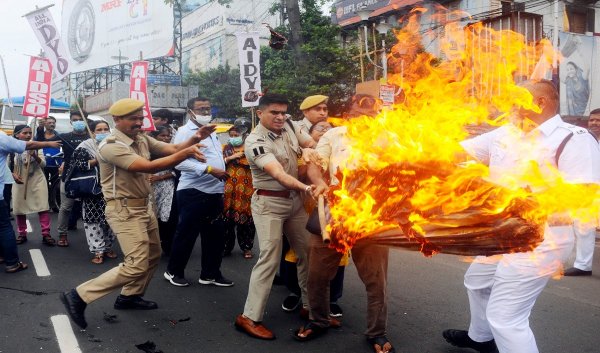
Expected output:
(82, 183)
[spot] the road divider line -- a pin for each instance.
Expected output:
(67, 342)
(39, 263)
(29, 228)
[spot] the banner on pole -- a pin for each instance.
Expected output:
(46, 32)
(138, 90)
(37, 99)
(249, 55)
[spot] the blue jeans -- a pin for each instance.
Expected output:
(199, 213)
(8, 243)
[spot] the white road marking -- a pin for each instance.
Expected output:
(67, 342)
(29, 228)
(39, 263)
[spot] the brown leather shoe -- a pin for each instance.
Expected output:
(252, 328)
(334, 323)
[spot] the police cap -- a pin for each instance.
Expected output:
(311, 101)
(125, 106)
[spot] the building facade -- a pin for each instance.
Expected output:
(208, 32)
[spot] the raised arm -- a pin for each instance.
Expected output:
(142, 165)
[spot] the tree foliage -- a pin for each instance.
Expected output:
(222, 87)
(327, 68)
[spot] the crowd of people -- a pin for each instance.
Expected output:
(158, 191)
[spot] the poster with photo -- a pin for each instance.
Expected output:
(576, 74)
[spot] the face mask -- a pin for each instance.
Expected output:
(102, 136)
(203, 119)
(78, 126)
(236, 141)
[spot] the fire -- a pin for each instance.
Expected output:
(408, 169)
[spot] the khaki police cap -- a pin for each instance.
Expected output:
(125, 106)
(311, 101)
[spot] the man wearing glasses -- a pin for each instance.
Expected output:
(124, 159)
(200, 202)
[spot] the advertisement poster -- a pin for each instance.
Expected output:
(576, 73)
(100, 33)
(37, 99)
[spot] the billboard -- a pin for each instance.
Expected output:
(578, 73)
(100, 33)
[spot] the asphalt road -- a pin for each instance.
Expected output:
(426, 296)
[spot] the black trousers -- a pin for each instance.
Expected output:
(199, 214)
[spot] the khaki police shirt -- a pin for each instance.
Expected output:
(117, 152)
(303, 125)
(263, 146)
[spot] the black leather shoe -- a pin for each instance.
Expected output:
(135, 302)
(75, 307)
(573, 271)
(460, 338)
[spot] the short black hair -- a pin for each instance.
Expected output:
(94, 123)
(595, 111)
(272, 98)
(76, 112)
(51, 117)
(163, 114)
(159, 130)
(190, 103)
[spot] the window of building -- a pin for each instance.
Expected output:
(580, 19)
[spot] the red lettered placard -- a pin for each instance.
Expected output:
(138, 90)
(37, 98)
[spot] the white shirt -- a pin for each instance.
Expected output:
(509, 152)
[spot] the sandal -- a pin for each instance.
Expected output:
(248, 254)
(48, 240)
(98, 258)
(309, 332)
(62, 240)
(378, 344)
(110, 254)
(21, 239)
(19, 266)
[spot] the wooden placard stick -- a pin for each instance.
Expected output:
(323, 220)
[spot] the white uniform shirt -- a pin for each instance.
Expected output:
(508, 151)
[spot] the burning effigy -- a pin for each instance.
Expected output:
(407, 182)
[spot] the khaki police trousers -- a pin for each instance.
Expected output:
(371, 263)
(136, 229)
(274, 217)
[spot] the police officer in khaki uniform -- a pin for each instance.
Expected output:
(273, 149)
(124, 163)
(314, 109)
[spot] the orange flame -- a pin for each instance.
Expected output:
(409, 173)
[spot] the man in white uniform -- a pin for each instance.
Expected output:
(585, 232)
(503, 289)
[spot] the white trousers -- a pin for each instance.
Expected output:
(503, 289)
(585, 236)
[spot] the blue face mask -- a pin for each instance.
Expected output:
(102, 136)
(236, 141)
(78, 126)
